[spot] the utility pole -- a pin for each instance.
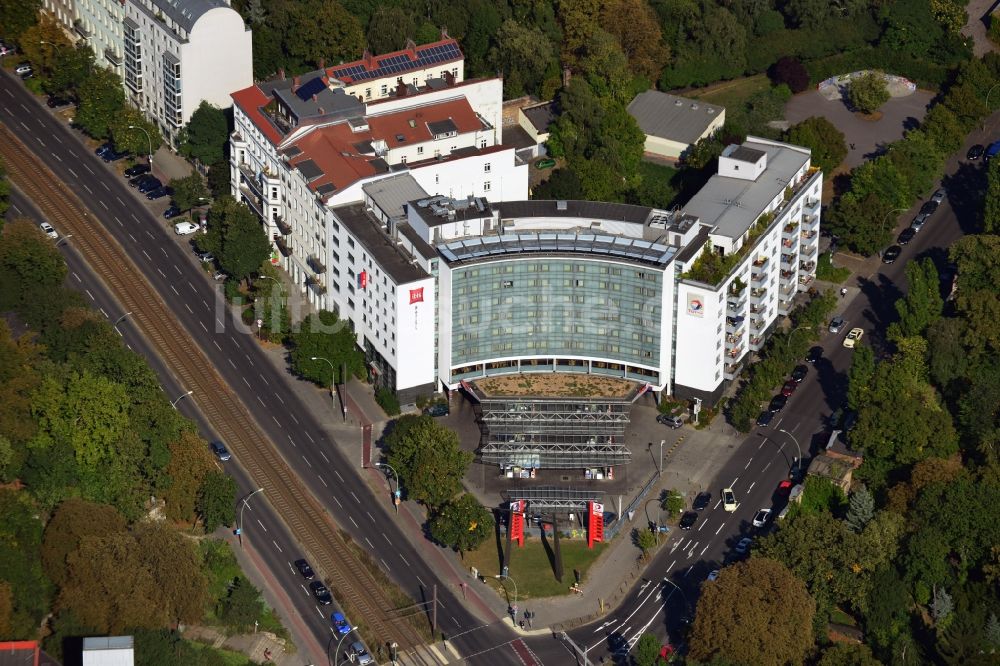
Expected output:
(434, 609)
(662, 442)
(343, 396)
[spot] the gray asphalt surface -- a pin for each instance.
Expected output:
(196, 302)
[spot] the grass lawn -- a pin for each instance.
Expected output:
(530, 567)
(226, 657)
(840, 617)
(732, 94)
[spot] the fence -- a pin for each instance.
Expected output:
(611, 530)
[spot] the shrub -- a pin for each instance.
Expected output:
(994, 30)
(826, 271)
(868, 92)
(388, 401)
(791, 72)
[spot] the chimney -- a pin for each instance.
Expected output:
(449, 78)
(322, 63)
(281, 73)
(411, 49)
(314, 97)
(566, 77)
(400, 89)
(444, 32)
(295, 83)
(368, 59)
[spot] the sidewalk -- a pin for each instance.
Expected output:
(168, 165)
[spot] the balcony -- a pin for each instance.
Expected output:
(734, 325)
(807, 266)
(758, 309)
(316, 285)
(252, 200)
(315, 263)
(787, 276)
(758, 295)
(757, 325)
(808, 250)
(784, 307)
(811, 206)
(284, 246)
(732, 370)
(112, 57)
(758, 278)
(786, 291)
(284, 227)
(734, 306)
(761, 262)
(250, 179)
(810, 221)
(789, 231)
(787, 260)
(756, 341)
(735, 353)
(79, 29)
(807, 236)
(789, 243)
(737, 288)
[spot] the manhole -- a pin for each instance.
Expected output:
(564, 478)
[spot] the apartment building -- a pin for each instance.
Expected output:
(171, 54)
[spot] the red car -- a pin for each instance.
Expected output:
(789, 387)
(785, 487)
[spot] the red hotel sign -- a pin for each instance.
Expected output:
(416, 296)
(516, 525)
(595, 523)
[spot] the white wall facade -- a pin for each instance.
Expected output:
(376, 89)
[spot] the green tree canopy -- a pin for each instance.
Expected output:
(16, 16)
(647, 650)
(102, 101)
(189, 191)
(21, 570)
(326, 336)
(827, 143)
(206, 135)
(462, 524)
(922, 306)
(73, 520)
(216, 503)
(132, 132)
(323, 29)
(236, 237)
(428, 459)
(190, 463)
(242, 606)
(868, 92)
(72, 66)
(757, 612)
(991, 202)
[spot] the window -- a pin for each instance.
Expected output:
(486, 168)
(402, 159)
(385, 89)
(368, 93)
(486, 186)
(482, 143)
(420, 150)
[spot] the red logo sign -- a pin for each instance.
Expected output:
(362, 279)
(416, 296)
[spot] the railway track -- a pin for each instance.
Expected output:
(303, 514)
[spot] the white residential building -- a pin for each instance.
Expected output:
(171, 54)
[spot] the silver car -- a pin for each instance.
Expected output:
(919, 221)
(939, 195)
(836, 324)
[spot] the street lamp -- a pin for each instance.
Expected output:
(64, 238)
(788, 340)
(798, 461)
(239, 523)
(118, 321)
(150, 140)
(393, 646)
(179, 398)
(513, 608)
(396, 493)
(333, 376)
(886, 218)
(336, 652)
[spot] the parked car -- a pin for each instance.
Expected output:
(103, 148)
(784, 487)
(906, 235)
(939, 195)
(159, 193)
(836, 324)
(765, 419)
(729, 500)
(672, 422)
(204, 257)
(545, 163)
(975, 152)
(147, 186)
(185, 228)
(23, 68)
(743, 546)
(321, 593)
(304, 569)
(687, 520)
(136, 170)
(172, 212)
(891, 254)
(778, 403)
(789, 388)
(48, 230)
(55, 102)
(919, 221)
(360, 655)
(220, 451)
(761, 518)
(853, 337)
(438, 409)
(340, 625)
(713, 575)
(929, 207)
(814, 355)
(140, 179)
(701, 501)
(113, 155)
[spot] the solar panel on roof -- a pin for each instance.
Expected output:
(310, 88)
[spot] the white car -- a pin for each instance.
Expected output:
(713, 575)
(48, 230)
(185, 228)
(938, 196)
(729, 500)
(23, 69)
(762, 517)
(853, 337)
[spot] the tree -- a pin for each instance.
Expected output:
(323, 29)
(31, 268)
(18, 380)
(72, 521)
(941, 605)
(389, 28)
(217, 500)
(190, 463)
(791, 72)
(992, 631)
(848, 654)
(72, 66)
(16, 16)
(189, 191)
(922, 306)
(757, 612)
(4, 194)
(206, 135)
(176, 566)
(524, 55)
(673, 503)
(462, 524)
(647, 650)
(991, 202)
(242, 606)
(578, 19)
(42, 43)
(218, 179)
(644, 540)
(821, 495)
(235, 236)
(102, 100)
(824, 140)
(868, 92)
(428, 459)
(132, 132)
(861, 509)
(860, 377)
(325, 336)
(20, 564)
(637, 28)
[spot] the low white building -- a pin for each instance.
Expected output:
(673, 124)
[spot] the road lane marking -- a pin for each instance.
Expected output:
(189, 308)
(404, 560)
(132, 237)
(90, 294)
(338, 502)
(87, 187)
(703, 523)
(175, 289)
(290, 414)
(121, 202)
(688, 571)
(55, 156)
(162, 274)
(216, 345)
(702, 553)
(720, 529)
(261, 376)
(150, 234)
(748, 463)
(77, 277)
(192, 287)
(119, 221)
(202, 300)
(41, 142)
(323, 481)
(386, 538)
(765, 467)
(105, 186)
(273, 418)
(355, 522)
(261, 525)
(26, 109)
(717, 505)
(733, 484)
(355, 497)
(390, 570)
(306, 461)
(87, 167)
(751, 486)
(279, 549)
(671, 566)
(57, 139)
(203, 327)
(370, 516)
(324, 457)
(26, 128)
(231, 363)
(279, 399)
(310, 437)
(134, 217)
(370, 544)
(338, 476)
(147, 255)
(246, 382)
(422, 583)
(292, 441)
(105, 205)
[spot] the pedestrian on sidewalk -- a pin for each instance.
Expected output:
(843, 292)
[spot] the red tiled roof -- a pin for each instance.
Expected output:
(332, 148)
(250, 100)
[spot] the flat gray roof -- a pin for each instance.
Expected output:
(419, 244)
(590, 210)
(187, 12)
(392, 193)
(731, 205)
(600, 245)
(396, 263)
(326, 103)
(671, 117)
(540, 116)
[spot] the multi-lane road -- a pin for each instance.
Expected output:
(675, 574)
(196, 302)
